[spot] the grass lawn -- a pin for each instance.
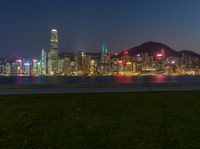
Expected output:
(113, 120)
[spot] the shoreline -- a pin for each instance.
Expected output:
(97, 85)
(97, 88)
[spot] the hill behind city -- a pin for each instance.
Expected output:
(153, 48)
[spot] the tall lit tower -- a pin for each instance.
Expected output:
(44, 62)
(104, 52)
(53, 54)
(104, 63)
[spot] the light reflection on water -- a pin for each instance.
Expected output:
(159, 79)
(100, 79)
(123, 79)
(19, 80)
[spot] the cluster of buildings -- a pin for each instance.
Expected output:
(103, 63)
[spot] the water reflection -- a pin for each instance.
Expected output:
(34, 80)
(123, 79)
(19, 80)
(159, 79)
(101, 79)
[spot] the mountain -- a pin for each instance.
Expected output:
(189, 53)
(153, 48)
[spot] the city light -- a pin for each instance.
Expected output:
(126, 53)
(19, 60)
(54, 30)
(92, 61)
(159, 55)
(102, 63)
(26, 64)
(120, 61)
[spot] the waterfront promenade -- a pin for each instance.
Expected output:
(98, 89)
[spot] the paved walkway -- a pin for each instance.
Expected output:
(98, 90)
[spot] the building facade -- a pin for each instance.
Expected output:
(53, 54)
(44, 62)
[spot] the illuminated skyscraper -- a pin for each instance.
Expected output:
(82, 63)
(19, 66)
(104, 53)
(34, 67)
(26, 67)
(44, 62)
(105, 58)
(104, 49)
(53, 54)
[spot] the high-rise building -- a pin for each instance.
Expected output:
(67, 69)
(8, 68)
(104, 52)
(34, 67)
(26, 67)
(60, 66)
(105, 59)
(19, 66)
(53, 54)
(82, 63)
(44, 62)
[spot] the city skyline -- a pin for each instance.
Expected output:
(86, 24)
(150, 58)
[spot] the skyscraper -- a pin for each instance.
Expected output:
(104, 53)
(104, 62)
(44, 62)
(53, 54)
(104, 48)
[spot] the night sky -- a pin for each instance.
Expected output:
(85, 24)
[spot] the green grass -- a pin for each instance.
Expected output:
(116, 120)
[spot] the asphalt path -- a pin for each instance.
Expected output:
(98, 90)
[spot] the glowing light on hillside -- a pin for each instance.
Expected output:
(126, 53)
(159, 55)
(138, 55)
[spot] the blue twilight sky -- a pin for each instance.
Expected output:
(84, 24)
